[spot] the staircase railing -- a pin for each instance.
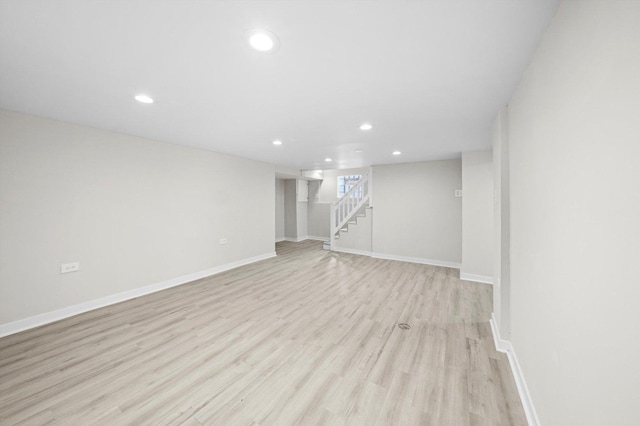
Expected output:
(346, 207)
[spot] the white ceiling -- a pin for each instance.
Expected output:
(429, 75)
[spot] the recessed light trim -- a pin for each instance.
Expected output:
(262, 40)
(366, 126)
(396, 153)
(328, 160)
(277, 142)
(358, 150)
(145, 99)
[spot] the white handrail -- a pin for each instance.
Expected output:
(346, 207)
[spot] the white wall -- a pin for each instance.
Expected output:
(574, 142)
(132, 211)
(290, 210)
(501, 225)
(302, 224)
(319, 219)
(295, 213)
(477, 216)
(416, 214)
(279, 209)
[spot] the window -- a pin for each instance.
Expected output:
(345, 183)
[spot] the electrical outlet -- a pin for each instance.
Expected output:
(223, 241)
(458, 193)
(69, 267)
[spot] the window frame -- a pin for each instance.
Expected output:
(343, 187)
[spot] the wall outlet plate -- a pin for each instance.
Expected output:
(458, 193)
(223, 241)
(69, 267)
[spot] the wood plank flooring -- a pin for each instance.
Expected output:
(309, 337)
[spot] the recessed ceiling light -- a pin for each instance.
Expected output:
(328, 160)
(277, 142)
(357, 150)
(366, 126)
(396, 153)
(144, 99)
(262, 40)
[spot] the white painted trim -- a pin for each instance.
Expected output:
(49, 317)
(506, 347)
(423, 261)
(476, 278)
(306, 237)
(370, 187)
(316, 238)
(503, 346)
(351, 251)
(397, 258)
(279, 240)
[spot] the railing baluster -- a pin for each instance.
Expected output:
(349, 204)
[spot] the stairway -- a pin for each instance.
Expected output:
(346, 214)
(355, 236)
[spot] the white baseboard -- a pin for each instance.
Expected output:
(49, 317)
(476, 278)
(295, 240)
(420, 260)
(278, 240)
(306, 237)
(351, 251)
(503, 346)
(423, 261)
(317, 238)
(506, 347)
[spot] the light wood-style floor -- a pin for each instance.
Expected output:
(309, 337)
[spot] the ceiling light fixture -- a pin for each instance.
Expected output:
(277, 142)
(262, 40)
(144, 99)
(357, 150)
(328, 160)
(366, 126)
(396, 153)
